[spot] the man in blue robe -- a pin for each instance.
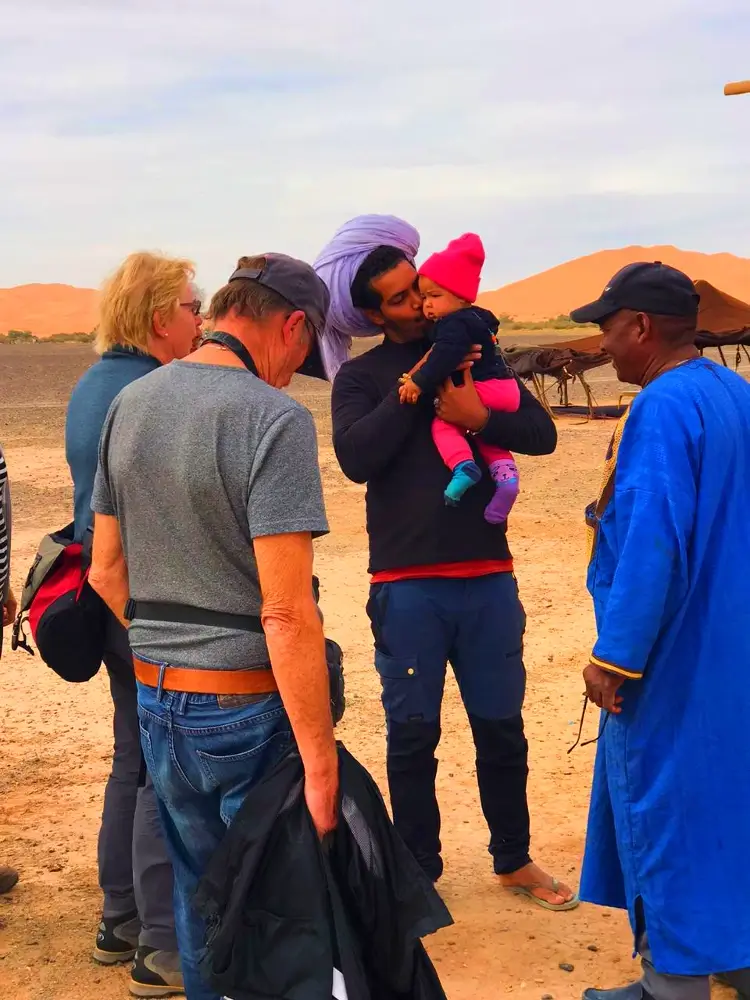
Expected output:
(669, 828)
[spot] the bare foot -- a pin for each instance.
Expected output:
(539, 884)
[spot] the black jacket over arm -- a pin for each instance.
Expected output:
(389, 446)
(283, 910)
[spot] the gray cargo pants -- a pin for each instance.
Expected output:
(135, 873)
(664, 987)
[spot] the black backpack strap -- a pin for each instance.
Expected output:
(184, 614)
(18, 636)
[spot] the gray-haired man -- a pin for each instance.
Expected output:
(208, 497)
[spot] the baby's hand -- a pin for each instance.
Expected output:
(409, 392)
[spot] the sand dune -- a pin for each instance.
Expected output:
(45, 310)
(560, 289)
(49, 309)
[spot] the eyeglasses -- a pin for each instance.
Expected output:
(194, 306)
(579, 738)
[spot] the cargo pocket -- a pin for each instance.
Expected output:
(403, 689)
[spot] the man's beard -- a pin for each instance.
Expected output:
(418, 330)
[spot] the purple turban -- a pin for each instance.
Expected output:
(337, 265)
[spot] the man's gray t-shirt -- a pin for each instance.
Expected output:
(195, 461)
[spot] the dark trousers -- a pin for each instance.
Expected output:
(477, 626)
(665, 986)
(662, 986)
(135, 873)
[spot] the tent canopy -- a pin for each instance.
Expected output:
(723, 320)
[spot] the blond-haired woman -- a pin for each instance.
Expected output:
(149, 315)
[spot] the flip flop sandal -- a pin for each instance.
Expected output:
(527, 891)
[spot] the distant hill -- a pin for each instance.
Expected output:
(45, 310)
(555, 292)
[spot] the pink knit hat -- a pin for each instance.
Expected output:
(458, 267)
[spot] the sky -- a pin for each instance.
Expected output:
(217, 128)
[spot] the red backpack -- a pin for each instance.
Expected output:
(66, 617)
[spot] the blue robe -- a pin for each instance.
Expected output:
(669, 574)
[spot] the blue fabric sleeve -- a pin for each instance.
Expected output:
(655, 500)
(453, 341)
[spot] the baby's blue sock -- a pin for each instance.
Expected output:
(465, 475)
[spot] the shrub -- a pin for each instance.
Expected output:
(71, 338)
(20, 337)
(26, 337)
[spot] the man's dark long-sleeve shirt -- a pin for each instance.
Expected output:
(389, 446)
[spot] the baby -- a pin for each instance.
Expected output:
(449, 282)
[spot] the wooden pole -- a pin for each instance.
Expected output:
(740, 87)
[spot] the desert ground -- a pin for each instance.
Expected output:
(57, 737)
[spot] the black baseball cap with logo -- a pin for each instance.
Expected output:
(298, 284)
(653, 288)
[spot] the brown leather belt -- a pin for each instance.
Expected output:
(191, 681)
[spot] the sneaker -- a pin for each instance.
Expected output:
(156, 974)
(117, 940)
(8, 878)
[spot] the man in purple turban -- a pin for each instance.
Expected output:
(337, 265)
(442, 580)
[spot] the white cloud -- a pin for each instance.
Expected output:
(214, 129)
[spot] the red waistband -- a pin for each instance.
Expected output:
(448, 571)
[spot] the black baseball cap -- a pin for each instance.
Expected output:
(654, 288)
(299, 285)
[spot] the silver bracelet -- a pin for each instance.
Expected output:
(484, 425)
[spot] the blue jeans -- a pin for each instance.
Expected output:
(476, 625)
(204, 753)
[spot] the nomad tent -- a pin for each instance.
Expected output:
(723, 321)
